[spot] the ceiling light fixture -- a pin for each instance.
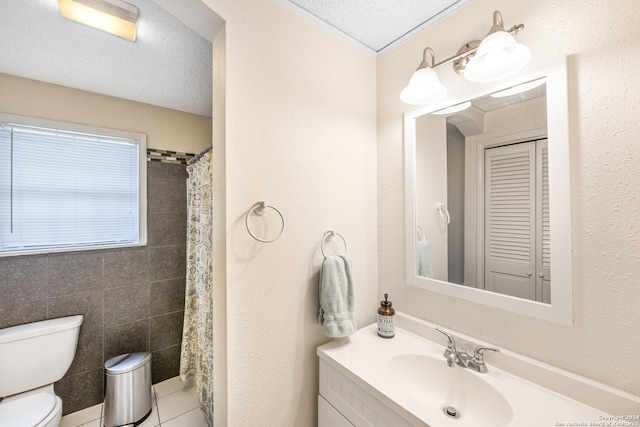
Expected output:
(453, 109)
(519, 88)
(497, 56)
(113, 16)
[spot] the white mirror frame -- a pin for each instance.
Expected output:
(561, 308)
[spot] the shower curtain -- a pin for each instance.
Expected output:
(196, 358)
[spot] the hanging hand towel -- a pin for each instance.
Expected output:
(336, 314)
(423, 255)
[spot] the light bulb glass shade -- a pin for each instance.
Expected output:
(498, 56)
(423, 88)
(113, 16)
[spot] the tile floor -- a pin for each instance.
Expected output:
(175, 404)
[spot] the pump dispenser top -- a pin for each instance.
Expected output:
(386, 303)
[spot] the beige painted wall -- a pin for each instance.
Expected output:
(301, 135)
(431, 175)
(165, 129)
(219, 286)
(604, 94)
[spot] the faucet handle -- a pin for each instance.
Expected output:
(478, 353)
(452, 343)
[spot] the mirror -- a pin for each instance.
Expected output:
(488, 196)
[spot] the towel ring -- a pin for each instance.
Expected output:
(328, 235)
(444, 213)
(259, 209)
(419, 233)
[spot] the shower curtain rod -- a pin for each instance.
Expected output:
(198, 156)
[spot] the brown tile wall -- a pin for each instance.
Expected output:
(132, 299)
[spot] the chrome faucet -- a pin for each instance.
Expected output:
(462, 358)
(451, 354)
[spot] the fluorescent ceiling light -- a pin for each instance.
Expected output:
(454, 108)
(518, 89)
(113, 16)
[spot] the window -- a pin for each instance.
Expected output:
(69, 187)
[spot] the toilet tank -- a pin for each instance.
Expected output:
(37, 354)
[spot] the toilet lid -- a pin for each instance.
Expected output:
(27, 411)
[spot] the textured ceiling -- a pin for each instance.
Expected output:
(378, 25)
(170, 63)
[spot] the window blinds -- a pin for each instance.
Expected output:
(61, 189)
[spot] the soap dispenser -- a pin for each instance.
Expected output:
(386, 319)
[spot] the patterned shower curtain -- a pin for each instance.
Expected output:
(196, 359)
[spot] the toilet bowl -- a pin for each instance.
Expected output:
(32, 358)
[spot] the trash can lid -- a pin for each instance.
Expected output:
(126, 362)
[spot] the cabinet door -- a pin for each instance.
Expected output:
(357, 406)
(328, 416)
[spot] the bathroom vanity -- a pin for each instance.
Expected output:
(366, 380)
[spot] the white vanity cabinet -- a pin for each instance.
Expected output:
(342, 403)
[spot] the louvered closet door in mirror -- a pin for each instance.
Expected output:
(515, 220)
(543, 230)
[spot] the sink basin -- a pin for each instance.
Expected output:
(457, 394)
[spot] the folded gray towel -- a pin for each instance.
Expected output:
(336, 314)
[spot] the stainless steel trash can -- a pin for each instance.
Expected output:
(127, 399)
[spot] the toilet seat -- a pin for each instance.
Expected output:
(29, 411)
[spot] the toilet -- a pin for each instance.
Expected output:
(32, 358)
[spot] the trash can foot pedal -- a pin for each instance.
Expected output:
(142, 419)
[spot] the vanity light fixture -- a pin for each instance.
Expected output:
(113, 16)
(497, 56)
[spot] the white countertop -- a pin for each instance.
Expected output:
(364, 358)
